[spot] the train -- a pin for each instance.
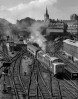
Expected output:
(54, 64)
(70, 73)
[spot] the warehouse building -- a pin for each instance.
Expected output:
(70, 47)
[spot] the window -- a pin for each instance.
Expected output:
(75, 74)
(46, 61)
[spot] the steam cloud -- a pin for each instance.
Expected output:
(36, 35)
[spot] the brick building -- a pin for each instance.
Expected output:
(72, 25)
(53, 26)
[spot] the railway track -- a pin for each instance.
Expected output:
(45, 90)
(12, 73)
(73, 85)
(70, 90)
(32, 88)
(67, 62)
(54, 85)
(6, 58)
(38, 88)
(64, 89)
(18, 90)
(60, 89)
(56, 88)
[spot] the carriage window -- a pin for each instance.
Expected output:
(46, 60)
(75, 74)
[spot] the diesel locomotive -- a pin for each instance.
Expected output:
(54, 64)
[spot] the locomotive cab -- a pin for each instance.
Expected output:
(57, 68)
(60, 68)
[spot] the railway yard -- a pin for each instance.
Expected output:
(22, 76)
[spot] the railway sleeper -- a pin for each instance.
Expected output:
(45, 93)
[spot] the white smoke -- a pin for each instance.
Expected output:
(36, 35)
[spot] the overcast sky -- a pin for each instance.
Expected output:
(18, 9)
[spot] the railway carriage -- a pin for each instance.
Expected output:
(54, 64)
(40, 55)
(46, 59)
(70, 73)
(32, 50)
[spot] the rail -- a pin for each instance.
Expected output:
(49, 92)
(67, 62)
(16, 80)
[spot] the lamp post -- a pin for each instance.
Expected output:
(4, 83)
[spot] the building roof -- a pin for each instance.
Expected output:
(59, 63)
(71, 42)
(72, 70)
(53, 58)
(41, 52)
(70, 22)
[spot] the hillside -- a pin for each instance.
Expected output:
(5, 28)
(24, 23)
(13, 30)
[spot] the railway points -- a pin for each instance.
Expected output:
(10, 60)
(38, 82)
(16, 81)
(59, 90)
(25, 62)
(69, 88)
(46, 86)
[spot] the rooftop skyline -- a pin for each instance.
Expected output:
(19, 9)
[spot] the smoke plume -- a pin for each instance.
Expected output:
(36, 35)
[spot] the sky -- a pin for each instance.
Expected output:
(13, 10)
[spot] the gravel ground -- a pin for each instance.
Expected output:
(26, 61)
(12, 55)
